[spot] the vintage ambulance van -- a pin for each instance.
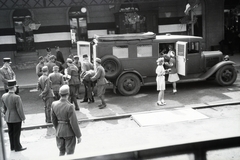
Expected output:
(130, 59)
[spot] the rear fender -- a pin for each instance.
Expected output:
(215, 68)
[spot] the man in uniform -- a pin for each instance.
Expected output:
(45, 86)
(77, 63)
(88, 85)
(65, 122)
(101, 82)
(13, 115)
(6, 72)
(57, 81)
(73, 82)
(39, 66)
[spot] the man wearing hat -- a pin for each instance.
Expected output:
(51, 63)
(73, 82)
(6, 72)
(86, 66)
(65, 122)
(57, 81)
(101, 82)
(13, 115)
(59, 55)
(45, 87)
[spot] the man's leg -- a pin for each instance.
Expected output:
(10, 134)
(61, 145)
(16, 135)
(70, 143)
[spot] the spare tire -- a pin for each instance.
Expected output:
(112, 66)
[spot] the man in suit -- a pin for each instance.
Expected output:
(101, 82)
(13, 115)
(45, 87)
(88, 85)
(6, 72)
(65, 122)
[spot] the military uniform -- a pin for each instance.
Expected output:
(13, 115)
(73, 82)
(45, 86)
(57, 81)
(66, 124)
(6, 73)
(88, 85)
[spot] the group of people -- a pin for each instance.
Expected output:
(59, 87)
(166, 64)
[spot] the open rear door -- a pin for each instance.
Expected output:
(181, 53)
(83, 47)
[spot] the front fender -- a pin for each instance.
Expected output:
(216, 67)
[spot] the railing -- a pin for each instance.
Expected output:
(198, 149)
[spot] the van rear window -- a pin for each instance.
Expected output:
(144, 50)
(120, 51)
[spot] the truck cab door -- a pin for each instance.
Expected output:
(83, 47)
(181, 53)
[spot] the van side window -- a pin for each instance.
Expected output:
(120, 51)
(144, 50)
(193, 47)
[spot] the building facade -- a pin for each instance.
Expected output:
(28, 26)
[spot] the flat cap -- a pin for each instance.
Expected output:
(7, 60)
(45, 69)
(98, 60)
(11, 83)
(64, 89)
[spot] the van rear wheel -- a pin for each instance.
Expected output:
(129, 84)
(226, 75)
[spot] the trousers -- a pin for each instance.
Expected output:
(14, 132)
(66, 145)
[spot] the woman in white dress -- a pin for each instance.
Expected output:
(160, 71)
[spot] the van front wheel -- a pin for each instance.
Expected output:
(129, 84)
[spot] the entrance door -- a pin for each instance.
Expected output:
(24, 34)
(181, 53)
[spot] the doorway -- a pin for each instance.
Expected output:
(23, 33)
(78, 24)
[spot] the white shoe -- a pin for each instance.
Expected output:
(159, 103)
(174, 91)
(163, 102)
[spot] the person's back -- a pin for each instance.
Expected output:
(57, 80)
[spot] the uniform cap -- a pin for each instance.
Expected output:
(52, 57)
(75, 57)
(64, 89)
(98, 60)
(45, 69)
(7, 60)
(69, 60)
(55, 68)
(11, 83)
(40, 58)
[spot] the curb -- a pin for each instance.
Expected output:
(194, 106)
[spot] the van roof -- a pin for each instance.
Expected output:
(177, 37)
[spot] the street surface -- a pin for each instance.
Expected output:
(41, 142)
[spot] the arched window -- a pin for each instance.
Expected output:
(78, 23)
(24, 35)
